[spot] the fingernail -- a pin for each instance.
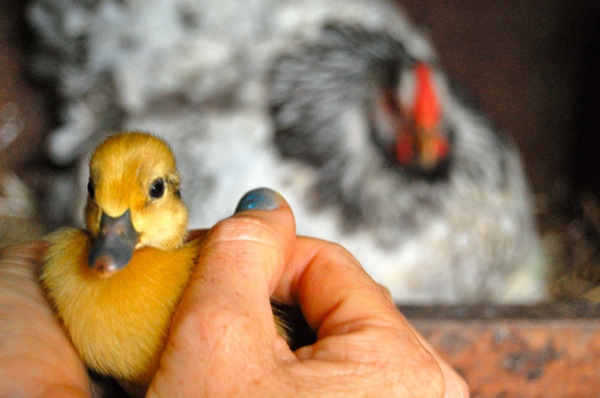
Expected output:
(259, 199)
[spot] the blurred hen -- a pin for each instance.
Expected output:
(337, 104)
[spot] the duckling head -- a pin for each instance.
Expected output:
(133, 200)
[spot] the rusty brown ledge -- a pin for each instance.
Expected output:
(554, 310)
(550, 350)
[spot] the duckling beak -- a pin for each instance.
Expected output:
(113, 247)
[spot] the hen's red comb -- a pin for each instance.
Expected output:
(426, 107)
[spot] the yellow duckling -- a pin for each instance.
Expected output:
(115, 285)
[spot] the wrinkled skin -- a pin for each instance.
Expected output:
(223, 328)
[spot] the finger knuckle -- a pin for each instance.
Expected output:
(241, 229)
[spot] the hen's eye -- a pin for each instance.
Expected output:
(157, 189)
(90, 188)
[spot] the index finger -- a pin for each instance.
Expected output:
(338, 298)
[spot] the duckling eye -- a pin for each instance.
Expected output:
(157, 189)
(91, 189)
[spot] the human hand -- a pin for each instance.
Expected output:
(36, 356)
(224, 343)
(223, 340)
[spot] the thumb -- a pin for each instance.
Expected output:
(225, 314)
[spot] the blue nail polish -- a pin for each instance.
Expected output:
(259, 199)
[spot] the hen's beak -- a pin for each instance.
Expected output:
(113, 247)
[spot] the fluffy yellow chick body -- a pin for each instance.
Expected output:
(118, 325)
(115, 285)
